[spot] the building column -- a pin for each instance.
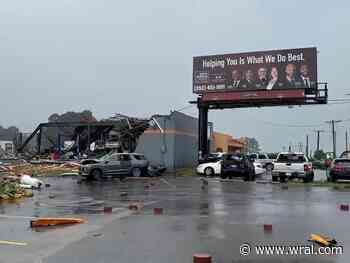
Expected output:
(202, 130)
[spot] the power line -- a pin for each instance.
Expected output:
(186, 107)
(291, 125)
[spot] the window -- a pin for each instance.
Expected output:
(139, 157)
(125, 157)
(233, 157)
(291, 158)
(253, 156)
(115, 157)
(262, 156)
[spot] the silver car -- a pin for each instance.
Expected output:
(116, 164)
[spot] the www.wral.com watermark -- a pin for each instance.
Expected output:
(291, 250)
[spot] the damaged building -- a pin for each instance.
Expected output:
(173, 142)
(119, 133)
(168, 140)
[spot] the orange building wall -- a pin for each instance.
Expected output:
(226, 143)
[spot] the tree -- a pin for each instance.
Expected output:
(8, 134)
(320, 155)
(252, 145)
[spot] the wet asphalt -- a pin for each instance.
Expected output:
(214, 220)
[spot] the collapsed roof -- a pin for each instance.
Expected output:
(121, 129)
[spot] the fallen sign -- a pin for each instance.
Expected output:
(44, 222)
(322, 240)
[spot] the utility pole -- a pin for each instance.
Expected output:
(300, 146)
(307, 146)
(332, 122)
(318, 138)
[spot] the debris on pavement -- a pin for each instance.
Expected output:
(267, 227)
(97, 234)
(12, 190)
(4, 242)
(201, 258)
(322, 240)
(108, 210)
(45, 222)
(70, 174)
(26, 179)
(135, 206)
(41, 168)
(157, 211)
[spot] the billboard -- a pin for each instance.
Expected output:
(256, 75)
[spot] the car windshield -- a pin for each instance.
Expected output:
(342, 162)
(234, 157)
(262, 156)
(105, 157)
(345, 155)
(291, 158)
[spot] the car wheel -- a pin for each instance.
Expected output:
(247, 177)
(96, 174)
(223, 176)
(282, 179)
(274, 178)
(136, 172)
(306, 179)
(251, 176)
(209, 172)
(333, 179)
(312, 177)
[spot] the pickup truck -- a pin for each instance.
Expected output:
(263, 159)
(289, 165)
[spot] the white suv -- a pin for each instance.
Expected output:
(292, 165)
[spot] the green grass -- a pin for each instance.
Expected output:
(185, 172)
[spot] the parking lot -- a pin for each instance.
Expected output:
(215, 219)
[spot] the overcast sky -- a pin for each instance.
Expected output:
(135, 57)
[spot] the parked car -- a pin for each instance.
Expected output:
(237, 165)
(259, 170)
(292, 165)
(214, 168)
(345, 155)
(115, 164)
(212, 157)
(262, 158)
(210, 168)
(340, 169)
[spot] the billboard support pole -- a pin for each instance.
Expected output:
(202, 129)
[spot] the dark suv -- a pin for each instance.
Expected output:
(116, 164)
(237, 165)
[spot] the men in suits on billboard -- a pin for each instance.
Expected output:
(291, 80)
(262, 81)
(305, 77)
(248, 82)
(307, 83)
(236, 80)
(274, 82)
